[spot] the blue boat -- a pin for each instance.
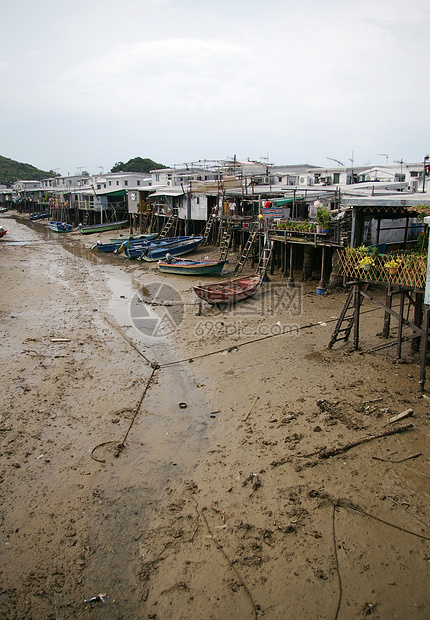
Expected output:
(135, 250)
(60, 227)
(155, 253)
(137, 238)
(118, 245)
(39, 216)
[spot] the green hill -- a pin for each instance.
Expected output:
(11, 171)
(137, 165)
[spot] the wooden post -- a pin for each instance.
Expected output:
(322, 281)
(357, 303)
(400, 328)
(423, 352)
(387, 316)
(418, 317)
(291, 278)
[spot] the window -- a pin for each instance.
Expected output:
(138, 182)
(110, 182)
(125, 183)
(99, 186)
(197, 200)
(117, 182)
(336, 177)
(157, 177)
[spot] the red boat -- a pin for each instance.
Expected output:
(229, 291)
(2, 232)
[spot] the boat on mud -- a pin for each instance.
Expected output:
(156, 252)
(188, 267)
(60, 227)
(98, 228)
(35, 217)
(229, 291)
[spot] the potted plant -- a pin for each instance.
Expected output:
(367, 263)
(323, 218)
(393, 265)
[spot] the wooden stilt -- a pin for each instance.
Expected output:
(387, 315)
(423, 351)
(400, 328)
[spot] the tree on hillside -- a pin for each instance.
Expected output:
(137, 164)
(11, 171)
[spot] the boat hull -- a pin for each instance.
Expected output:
(155, 253)
(60, 227)
(134, 238)
(97, 228)
(185, 267)
(229, 291)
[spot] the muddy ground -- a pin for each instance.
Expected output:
(181, 468)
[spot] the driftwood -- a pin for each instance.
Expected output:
(249, 412)
(326, 453)
(400, 416)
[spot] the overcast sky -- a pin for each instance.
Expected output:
(85, 84)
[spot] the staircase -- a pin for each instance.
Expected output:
(247, 248)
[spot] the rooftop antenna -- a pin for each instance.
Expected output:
(401, 162)
(102, 169)
(384, 155)
(336, 160)
(80, 168)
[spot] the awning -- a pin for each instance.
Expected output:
(168, 191)
(119, 192)
(286, 201)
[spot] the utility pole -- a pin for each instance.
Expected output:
(426, 158)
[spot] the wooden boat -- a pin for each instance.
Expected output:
(2, 232)
(97, 228)
(183, 266)
(39, 216)
(157, 252)
(60, 227)
(229, 291)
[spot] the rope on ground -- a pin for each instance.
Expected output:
(121, 445)
(233, 568)
(130, 342)
(339, 579)
(243, 344)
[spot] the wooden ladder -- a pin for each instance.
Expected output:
(265, 256)
(168, 226)
(349, 317)
(225, 243)
(208, 228)
(247, 248)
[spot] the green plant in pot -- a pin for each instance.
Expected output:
(323, 218)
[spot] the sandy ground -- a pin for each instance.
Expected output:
(181, 475)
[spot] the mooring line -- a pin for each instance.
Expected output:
(131, 343)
